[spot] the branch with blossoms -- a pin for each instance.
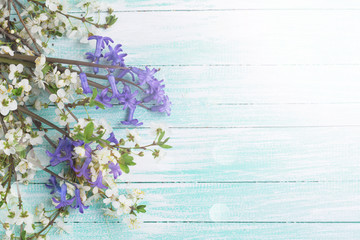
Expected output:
(88, 159)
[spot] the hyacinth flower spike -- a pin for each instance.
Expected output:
(115, 169)
(104, 98)
(100, 44)
(62, 153)
(131, 120)
(78, 202)
(164, 107)
(84, 83)
(114, 57)
(115, 92)
(53, 185)
(144, 76)
(98, 181)
(112, 138)
(63, 201)
(84, 171)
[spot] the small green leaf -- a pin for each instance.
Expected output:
(165, 146)
(161, 135)
(99, 104)
(89, 129)
(23, 235)
(141, 208)
(165, 141)
(46, 69)
(124, 168)
(95, 92)
(17, 92)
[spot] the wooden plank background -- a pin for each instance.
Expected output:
(265, 123)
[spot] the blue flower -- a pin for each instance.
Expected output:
(98, 182)
(62, 153)
(131, 120)
(100, 44)
(93, 59)
(156, 91)
(164, 107)
(53, 185)
(127, 98)
(115, 169)
(144, 76)
(63, 201)
(114, 56)
(112, 138)
(115, 92)
(78, 202)
(84, 171)
(84, 83)
(104, 98)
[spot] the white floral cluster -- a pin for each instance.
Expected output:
(122, 204)
(66, 84)
(44, 25)
(14, 143)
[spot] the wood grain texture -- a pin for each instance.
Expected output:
(234, 38)
(233, 202)
(246, 231)
(265, 121)
(242, 155)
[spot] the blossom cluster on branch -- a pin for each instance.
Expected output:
(84, 158)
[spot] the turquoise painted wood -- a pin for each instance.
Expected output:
(265, 124)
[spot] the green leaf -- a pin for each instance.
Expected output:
(166, 140)
(165, 146)
(23, 235)
(46, 69)
(89, 129)
(141, 208)
(99, 104)
(110, 20)
(17, 92)
(161, 135)
(124, 168)
(95, 92)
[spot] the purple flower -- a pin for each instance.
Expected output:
(112, 138)
(84, 171)
(63, 201)
(114, 56)
(62, 153)
(164, 107)
(144, 76)
(93, 59)
(131, 120)
(115, 169)
(84, 83)
(156, 91)
(115, 92)
(100, 44)
(127, 98)
(53, 185)
(78, 202)
(98, 182)
(104, 98)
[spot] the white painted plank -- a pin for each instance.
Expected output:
(174, 231)
(260, 85)
(278, 154)
(154, 5)
(274, 202)
(234, 37)
(201, 114)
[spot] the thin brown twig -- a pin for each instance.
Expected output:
(14, 36)
(23, 23)
(43, 120)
